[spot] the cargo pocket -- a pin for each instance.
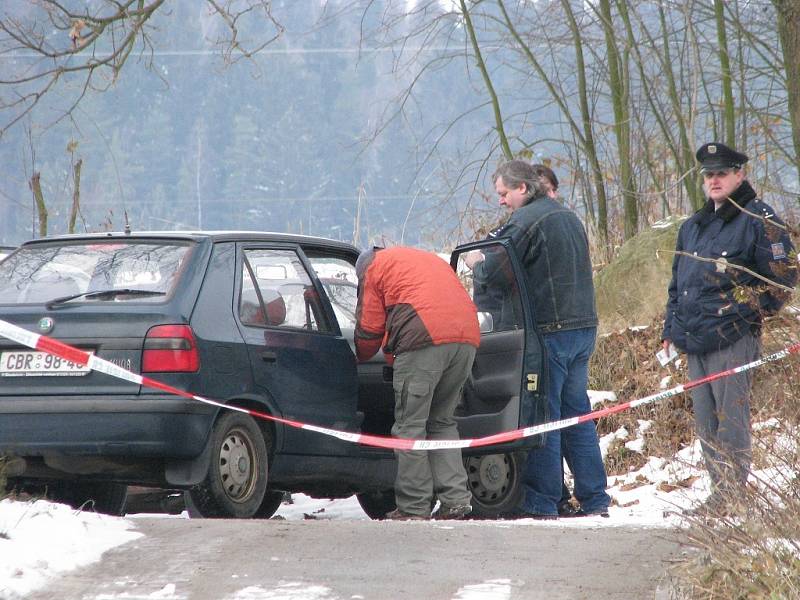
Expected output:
(410, 396)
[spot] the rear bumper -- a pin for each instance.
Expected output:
(146, 427)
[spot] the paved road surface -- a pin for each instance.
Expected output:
(201, 559)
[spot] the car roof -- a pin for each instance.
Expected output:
(212, 236)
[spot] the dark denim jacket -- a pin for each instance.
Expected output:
(551, 243)
(708, 307)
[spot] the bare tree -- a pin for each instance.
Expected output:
(728, 107)
(788, 17)
(92, 45)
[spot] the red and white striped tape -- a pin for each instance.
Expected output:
(53, 346)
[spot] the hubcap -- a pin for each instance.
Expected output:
(490, 477)
(236, 468)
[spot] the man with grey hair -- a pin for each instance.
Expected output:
(552, 246)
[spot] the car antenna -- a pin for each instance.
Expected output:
(127, 224)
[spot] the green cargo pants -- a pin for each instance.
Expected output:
(427, 387)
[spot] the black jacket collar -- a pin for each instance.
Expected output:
(728, 211)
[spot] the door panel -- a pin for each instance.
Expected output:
(308, 370)
(507, 387)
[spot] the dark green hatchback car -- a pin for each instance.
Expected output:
(262, 321)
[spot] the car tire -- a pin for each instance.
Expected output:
(236, 483)
(377, 504)
(272, 502)
(100, 496)
(495, 481)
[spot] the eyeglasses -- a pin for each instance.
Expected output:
(719, 173)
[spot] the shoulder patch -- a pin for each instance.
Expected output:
(777, 251)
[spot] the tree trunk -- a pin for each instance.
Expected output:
(76, 195)
(589, 145)
(41, 209)
(788, 16)
(498, 116)
(728, 108)
(619, 85)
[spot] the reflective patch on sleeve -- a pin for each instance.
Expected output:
(777, 251)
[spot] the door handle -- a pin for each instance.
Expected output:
(269, 356)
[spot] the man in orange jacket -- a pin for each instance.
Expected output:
(412, 302)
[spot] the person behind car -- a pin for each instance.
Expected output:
(552, 246)
(411, 302)
(549, 181)
(726, 255)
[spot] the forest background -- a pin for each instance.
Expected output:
(359, 119)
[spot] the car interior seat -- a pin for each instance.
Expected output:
(276, 307)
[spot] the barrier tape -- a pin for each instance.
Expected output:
(53, 346)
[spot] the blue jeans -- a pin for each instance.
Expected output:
(568, 355)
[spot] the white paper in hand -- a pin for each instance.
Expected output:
(667, 356)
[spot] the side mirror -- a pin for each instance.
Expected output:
(485, 322)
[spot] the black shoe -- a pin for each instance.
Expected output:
(567, 509)
(518, 513)
(599, 512)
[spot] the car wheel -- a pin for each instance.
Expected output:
(272, 502)
(236, 482)
(100, 496)
(377, 504)
(495, 481)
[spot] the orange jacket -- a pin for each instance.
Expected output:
(410, 299)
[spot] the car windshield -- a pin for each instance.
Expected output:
(72, 272)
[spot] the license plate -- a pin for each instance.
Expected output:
(38, 364)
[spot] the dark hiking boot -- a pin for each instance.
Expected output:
(399, 515)
(458, 511)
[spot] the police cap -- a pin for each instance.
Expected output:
(715, 156)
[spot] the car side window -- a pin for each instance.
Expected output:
(338, 278)
(251, 311)
(493, 289)
(280, 288)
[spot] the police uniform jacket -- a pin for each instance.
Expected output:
(711, 305)
(551, 243)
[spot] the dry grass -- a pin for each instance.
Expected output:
(754, 553)
(624, 361)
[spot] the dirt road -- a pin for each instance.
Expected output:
(325, 560)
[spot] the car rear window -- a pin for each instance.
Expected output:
(98, 271)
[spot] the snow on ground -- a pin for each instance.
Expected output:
(39, 540)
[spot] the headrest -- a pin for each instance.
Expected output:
(275, 306)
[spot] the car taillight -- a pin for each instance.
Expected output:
(170, 349)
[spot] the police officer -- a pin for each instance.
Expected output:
(715, 310)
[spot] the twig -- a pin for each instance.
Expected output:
(732, 265)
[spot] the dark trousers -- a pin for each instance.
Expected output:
(722, 412)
